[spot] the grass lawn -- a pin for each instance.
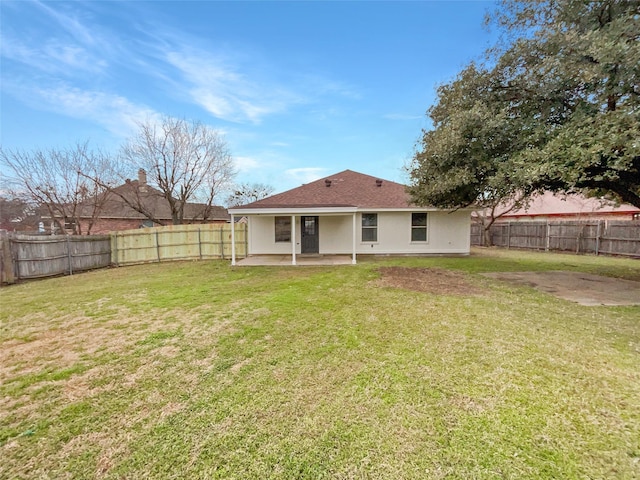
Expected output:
(197, 370)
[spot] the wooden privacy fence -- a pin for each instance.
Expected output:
(177, 242)
(599, 237)
(35, 256)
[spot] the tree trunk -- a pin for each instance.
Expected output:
(486, 231)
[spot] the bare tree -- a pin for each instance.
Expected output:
(247, 193)
(17, 213)
(58, 180)
(186, 162)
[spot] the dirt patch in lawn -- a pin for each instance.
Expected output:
(582, 288)
(430, 280)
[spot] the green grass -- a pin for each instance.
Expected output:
(197, 370)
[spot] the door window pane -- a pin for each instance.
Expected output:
(310, 225)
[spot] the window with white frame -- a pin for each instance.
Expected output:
(419, 227)
(283, 229)
(369, 227)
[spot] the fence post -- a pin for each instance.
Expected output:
(246, 239)
(114, 248)
(598, 233)
(69, 255)
(157, 246)
(7, 273)
(546, 235)
(579, 236)
(508, 235)
(199, 245)
(222, 240)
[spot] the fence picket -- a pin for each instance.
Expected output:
(35, 256)
(597, 237)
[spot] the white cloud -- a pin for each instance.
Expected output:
(218, 86)
(246, 164)
(71, 25)
(52, 56)
(305, 175)
(114, 112)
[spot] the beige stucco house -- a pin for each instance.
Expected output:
(351, 213)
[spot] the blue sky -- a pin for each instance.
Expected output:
(300, 89)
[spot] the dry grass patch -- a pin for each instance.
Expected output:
(437, 281)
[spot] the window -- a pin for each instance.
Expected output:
(69, 223)
(418, 227)
(283, 229)
(369, 227)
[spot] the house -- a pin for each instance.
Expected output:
(111, 212)
(551, 207)
(351, 213)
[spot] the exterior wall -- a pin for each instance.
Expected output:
(334, 231)
(336, 234)
(262, 233)
(107, 225)
(446, 233)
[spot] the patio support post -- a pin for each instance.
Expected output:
(355, 231)
(233, 243)
(293, 239)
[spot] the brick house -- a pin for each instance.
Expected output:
(550, 207)
(116, 214)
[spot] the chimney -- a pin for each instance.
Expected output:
(378, 183)
(142, 180)
(327, 183)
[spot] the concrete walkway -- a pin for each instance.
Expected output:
(284, 260)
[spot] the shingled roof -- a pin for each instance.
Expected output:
(150, 200)
(344, 189)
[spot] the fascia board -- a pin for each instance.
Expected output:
(293, 211)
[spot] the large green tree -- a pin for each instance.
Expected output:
(556, 107)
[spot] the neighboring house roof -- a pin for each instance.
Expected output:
(570, 205)
(152, 201)
(344, 189)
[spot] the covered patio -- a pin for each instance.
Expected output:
(302, 245)
(286, 260)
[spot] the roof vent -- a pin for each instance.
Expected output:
(378, 183)
(327, 183)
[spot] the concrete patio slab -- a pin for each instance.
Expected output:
(302, 260)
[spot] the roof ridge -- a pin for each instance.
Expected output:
(345, 188)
